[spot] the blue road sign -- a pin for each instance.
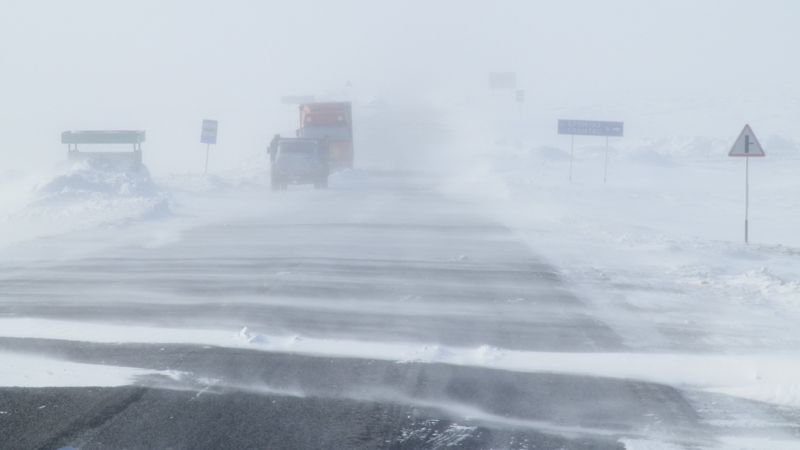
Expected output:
(590, 127)
(208, 135)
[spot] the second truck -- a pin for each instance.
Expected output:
(333, 123)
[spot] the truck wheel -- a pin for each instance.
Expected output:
(275, 183)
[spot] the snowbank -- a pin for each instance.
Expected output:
(77, 196)
(91, 177)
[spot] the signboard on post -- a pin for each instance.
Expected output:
(747, 146)
(502, 80)
(208, 133)
(208, 136)
(590, 128)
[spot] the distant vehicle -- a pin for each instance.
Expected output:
(333, 122)
(298, 161)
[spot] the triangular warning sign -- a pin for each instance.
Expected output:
(747, 144)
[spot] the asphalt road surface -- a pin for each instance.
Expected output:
(385, 260)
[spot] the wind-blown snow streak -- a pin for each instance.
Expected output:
(478, 415)
(25, 370)
(768, 378)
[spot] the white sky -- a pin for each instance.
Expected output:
(164, 65)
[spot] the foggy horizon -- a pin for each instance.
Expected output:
(677, 68)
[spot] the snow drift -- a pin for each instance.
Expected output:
(77, 196)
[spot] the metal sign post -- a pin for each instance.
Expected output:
(747, 200)
(589, 128)
(208, 150)
(605, 164)
(208, 136)
(571, 151)
(747, 146)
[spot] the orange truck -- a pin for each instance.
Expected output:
(331, 122)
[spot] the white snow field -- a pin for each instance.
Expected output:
(659, 248)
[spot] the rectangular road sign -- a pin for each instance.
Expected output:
(103, 137)
(590, 127)
(747, 144)
(208, 134)
(503, 80)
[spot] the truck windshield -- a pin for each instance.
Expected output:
(298, 149)
(332, 132)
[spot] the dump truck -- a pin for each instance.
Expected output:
(332, 122)
(298, 161)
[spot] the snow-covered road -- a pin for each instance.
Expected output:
(427, 312)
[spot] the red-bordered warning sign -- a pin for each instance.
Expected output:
(747, 144)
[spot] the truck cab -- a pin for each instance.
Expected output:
(298, 161)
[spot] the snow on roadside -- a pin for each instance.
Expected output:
(658, 249)
(724, 443)
(641, 444)
(253, 171)
(657, 253)
(754, 443)
(77, 196)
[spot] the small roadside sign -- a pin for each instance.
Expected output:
(747, 144)
(520, 96)
(208, 133)
(502, 80)
(208, 136)
(590, 128)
